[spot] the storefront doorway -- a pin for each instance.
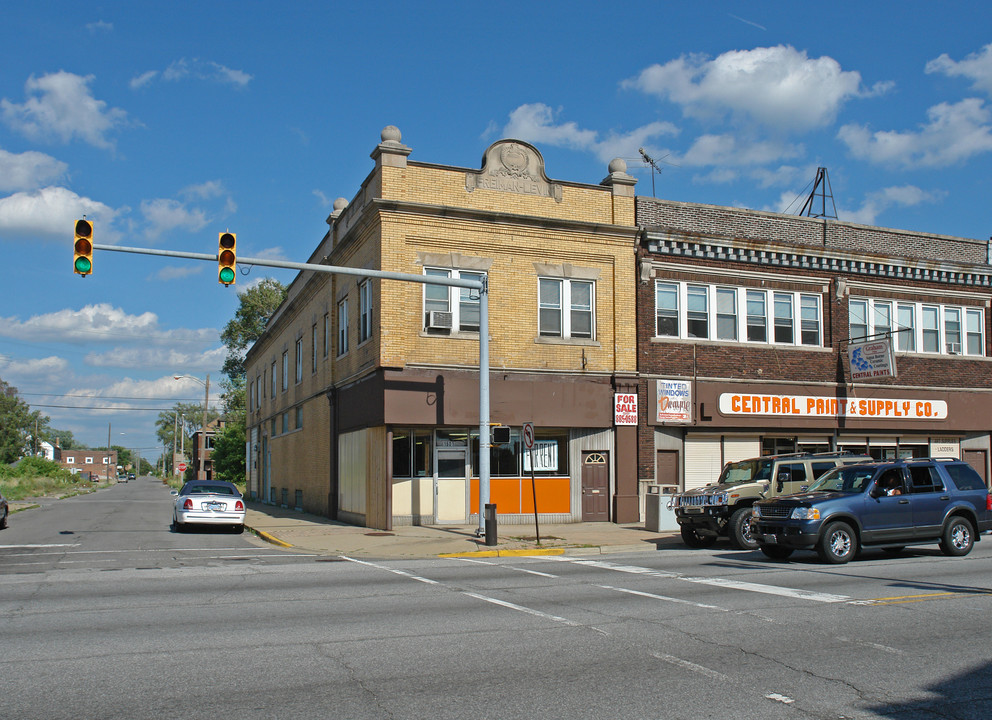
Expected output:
(450, 482)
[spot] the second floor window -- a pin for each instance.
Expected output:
(343, 327)
(565, 308)
(919, 327)
(732, 314)
(364, 311)
(299, 359)
(451, 309)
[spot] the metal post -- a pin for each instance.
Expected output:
(202, 470)
(484, 433)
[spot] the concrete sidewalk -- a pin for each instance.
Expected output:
(292, 529)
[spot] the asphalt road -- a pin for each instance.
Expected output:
(138, 622)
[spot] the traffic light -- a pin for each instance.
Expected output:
(501, 434)
(82, 248)
(226, 257)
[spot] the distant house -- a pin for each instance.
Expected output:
(203, 447)
(46, 450)
(97, 463)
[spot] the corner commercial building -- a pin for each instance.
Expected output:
(363, 394)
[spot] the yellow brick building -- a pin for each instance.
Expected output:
(363, 393)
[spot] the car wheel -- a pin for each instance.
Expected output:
(239, 529)
(958, 538)
(3, 520)
(741, 534)
(176, 525)
(694, 540)
(776, 552)
(838, 543)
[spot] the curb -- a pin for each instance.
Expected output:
(503, 553)
(268, 538)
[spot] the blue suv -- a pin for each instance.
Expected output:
(880, 504)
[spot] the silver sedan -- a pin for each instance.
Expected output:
(208, 502)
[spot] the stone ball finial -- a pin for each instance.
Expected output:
(618, 165)
(340, 204)
(391, 133)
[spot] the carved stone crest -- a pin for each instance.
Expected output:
(513, 166)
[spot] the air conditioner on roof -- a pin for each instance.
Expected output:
(439, 320)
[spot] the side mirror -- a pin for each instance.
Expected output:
(174, 492)
(877, 492)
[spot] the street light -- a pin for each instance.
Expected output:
(201, 470)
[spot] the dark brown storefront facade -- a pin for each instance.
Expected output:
(745, 325)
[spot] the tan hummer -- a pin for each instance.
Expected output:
(724, 507)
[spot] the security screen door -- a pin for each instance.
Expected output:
(450, 481)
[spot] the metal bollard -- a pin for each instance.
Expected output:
(490, 524)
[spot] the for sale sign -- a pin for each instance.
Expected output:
(624, 409)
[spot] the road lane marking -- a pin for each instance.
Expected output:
(903, 599)
(45, 545)
(716, 582)
(508, 567)
(700, 669)
(664, 597)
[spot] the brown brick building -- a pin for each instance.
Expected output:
(745, 321)
(363, 393)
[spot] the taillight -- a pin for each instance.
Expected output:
(188, 505)
(239, 505)
(988, 502)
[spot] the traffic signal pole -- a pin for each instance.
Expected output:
(482, 286)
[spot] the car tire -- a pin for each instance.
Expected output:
(776, 552)
(239, 529)
(176, 525)
(3, 520)
(741, 536)
(694, 540)
(838, 543)
(958, 538)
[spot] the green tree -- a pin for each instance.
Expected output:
(257, 303)
(17, 423)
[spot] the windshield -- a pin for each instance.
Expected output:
(745, 471)
(845, 478)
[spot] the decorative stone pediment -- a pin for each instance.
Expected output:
(513, 166)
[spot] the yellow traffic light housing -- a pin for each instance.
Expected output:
(82, 248)
(227, 257)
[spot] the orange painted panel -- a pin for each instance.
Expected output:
(514, 496)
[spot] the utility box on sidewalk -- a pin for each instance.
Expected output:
(657, 516)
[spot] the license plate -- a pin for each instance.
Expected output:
(215, 506)
(694, 511)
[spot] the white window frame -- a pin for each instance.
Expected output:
(726, 313)
(566, 310)
(464, 304)
(342, 326)
(924, 327)
(364, 311)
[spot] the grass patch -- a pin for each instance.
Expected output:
(37, 477)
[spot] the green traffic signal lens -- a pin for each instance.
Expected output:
(83, 265)
(227, 275)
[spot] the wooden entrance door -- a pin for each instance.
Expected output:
(595, 487)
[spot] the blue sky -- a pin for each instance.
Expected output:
(166, 123)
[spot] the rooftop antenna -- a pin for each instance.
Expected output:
(821, 191)
(654, 167)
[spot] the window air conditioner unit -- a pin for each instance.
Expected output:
(439, 320)
(954, 348)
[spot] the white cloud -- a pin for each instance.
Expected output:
(143, 79)
(164, 214)
(174, 272)
(779, 87)
(735, 151)
(954, 133)
(101, 323)
(534, 123)
(36, 370)
(143, 357)
(61, 107)
(196, 69)
(977, 67)
(51, 212)
(878, 202)
(28, 170)
(100, 26)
